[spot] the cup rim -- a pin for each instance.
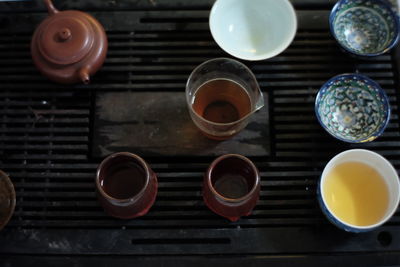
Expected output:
(207, 62)
(139, 160)
(392, 43)
(12, 199)
(323, 177)
(232, 200)
(265, 55)
(379, 131)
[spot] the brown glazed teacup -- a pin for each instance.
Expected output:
(126, 186)
(231, 186)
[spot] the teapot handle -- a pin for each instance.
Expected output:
(50, 7)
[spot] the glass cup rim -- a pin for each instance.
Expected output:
(137, 159)
(207, 62)
(248, 162)
(323, 179)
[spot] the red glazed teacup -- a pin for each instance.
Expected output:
(126, 186)
(231, 186)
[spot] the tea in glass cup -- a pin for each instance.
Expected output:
(231, 186)
(222, 94)
(126, 186)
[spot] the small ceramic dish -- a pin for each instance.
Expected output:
(7, 199)
(253, 30)
(352, 108)
(364, 28)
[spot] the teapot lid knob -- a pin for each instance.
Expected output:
(64, 34)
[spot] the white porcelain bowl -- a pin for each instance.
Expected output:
(377, 162)
(253, 29)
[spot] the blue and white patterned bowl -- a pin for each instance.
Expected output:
(352, 108)
(364, 27)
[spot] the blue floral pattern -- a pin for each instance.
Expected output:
(353, 108)
(364, 27)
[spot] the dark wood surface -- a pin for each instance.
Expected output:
(128, 5)
(46, 147)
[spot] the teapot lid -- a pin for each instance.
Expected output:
(65, 38)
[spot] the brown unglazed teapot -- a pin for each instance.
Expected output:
(69, 46)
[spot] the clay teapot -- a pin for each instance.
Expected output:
(68, 46)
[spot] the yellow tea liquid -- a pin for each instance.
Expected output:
(356, 193)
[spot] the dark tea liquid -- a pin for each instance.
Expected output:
(221, 101)
(124, 180)
(232, 178)
(231, 185)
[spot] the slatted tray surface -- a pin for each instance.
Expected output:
(46, 133)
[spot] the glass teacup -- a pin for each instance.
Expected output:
(221, 95)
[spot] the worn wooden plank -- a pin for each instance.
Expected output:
(159, 124)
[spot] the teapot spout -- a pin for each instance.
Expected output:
(50, 7)
(84, 75)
